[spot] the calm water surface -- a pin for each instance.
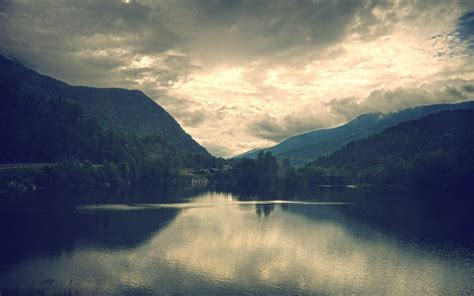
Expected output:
(219, 243)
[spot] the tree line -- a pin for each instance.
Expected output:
(436, 151)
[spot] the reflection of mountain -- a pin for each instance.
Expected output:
(27, 234)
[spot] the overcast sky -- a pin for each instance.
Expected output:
(239, 75)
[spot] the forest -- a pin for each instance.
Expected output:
(434, 151)
(40, 129)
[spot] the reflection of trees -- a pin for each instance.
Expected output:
(261, 195)
(264, 209)
(284, 207)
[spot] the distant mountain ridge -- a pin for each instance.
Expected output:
(124, 110)
(304, 148)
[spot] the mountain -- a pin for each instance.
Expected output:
(129, 111)
(433, 151)
(302, 149)
(72, 151)
(36, 129)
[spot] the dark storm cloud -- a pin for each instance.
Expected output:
(286, 22)
(35, 30)
(52, 35)
(62, 21)
(65, 38)
(249, 29)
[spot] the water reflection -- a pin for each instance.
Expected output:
(215, 245)
(51, 233)
(264, 209)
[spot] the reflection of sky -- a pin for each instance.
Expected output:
(231, 249)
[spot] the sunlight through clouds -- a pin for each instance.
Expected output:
(358, 68)
(245, 75)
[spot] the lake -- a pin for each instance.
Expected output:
(340, 241)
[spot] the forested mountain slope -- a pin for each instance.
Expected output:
(436, 151)
(124, 110)
(306, 147)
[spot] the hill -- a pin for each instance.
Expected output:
(129, 111)
(58, 147)
(304, 148)
(433, 151)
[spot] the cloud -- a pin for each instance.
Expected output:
(341, 110)
(276, 129)
(240, 75)
(387, 101)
